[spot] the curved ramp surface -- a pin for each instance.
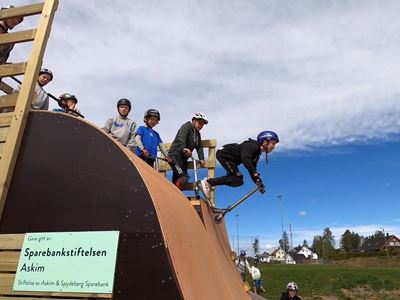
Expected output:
(70, 176)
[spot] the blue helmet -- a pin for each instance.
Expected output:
(242, 253)
(267, 135)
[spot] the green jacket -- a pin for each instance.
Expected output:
(187, 137)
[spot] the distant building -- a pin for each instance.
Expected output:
(380, 242)
(265, 257)
(278, 255)
(304, 255)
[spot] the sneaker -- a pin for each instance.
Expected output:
(205, 187)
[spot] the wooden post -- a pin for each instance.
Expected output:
(17, 125)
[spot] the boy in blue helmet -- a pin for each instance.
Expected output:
(247, 153)
(148, 140)
(121, 127)
(242, 265)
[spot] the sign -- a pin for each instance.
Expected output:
(81, 262)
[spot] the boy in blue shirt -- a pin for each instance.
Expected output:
(147, 139)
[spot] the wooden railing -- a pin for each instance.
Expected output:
(210, 165)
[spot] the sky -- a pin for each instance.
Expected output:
(322, 74)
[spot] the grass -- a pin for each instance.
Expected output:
(326, 280)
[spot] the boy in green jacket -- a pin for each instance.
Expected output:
(187, 139)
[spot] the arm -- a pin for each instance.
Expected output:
(131, 142)
(199, 148)
(108, 125)
(138, 138)
(248, 153)
(180, 140)
(248, 266)
(163, 149)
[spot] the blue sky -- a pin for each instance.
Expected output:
(323, 74)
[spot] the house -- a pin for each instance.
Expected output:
(377, 243)
(265, 257)
(278, 255)
(307, 252)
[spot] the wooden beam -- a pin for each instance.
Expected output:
(18, 37)
(12, 69)
(5, 120)
(8, 100)
(11, 241)
(9, 261)
(21, 11)
(3, 134)
(6, 88)
(11, 147)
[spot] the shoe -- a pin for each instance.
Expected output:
(205, 187)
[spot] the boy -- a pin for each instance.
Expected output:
(242, 265)
(248, 153)
(40, 96)
(68, 103)
(5, 26)
(187, 139)
(291, 292)
(256, 275)
(147, 139)
(121, 127)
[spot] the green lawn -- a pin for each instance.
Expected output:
(326, 280)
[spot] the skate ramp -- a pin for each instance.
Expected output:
(70, 176)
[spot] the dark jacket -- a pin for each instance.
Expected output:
(247, 153)
(285, 296)
(187, 137)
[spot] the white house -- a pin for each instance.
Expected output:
(307, 252)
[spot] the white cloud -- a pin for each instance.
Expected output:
(319, 73)
(302, 213)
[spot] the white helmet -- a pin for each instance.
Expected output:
(292, 286)
(200, 116)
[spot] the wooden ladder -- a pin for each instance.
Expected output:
(12, 124)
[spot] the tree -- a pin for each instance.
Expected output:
(350, 241)
(324, 245)
(284, 242)
(305, 244)
(256, 247)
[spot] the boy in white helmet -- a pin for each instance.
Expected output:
(40, 96)
(186, 140)
(291, 292)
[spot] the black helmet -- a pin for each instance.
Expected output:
(151, 113)
(124, 101)
(46, 71)
(67, 96)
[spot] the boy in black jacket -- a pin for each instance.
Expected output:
(291, 292)
(187, 139)
(248, 153)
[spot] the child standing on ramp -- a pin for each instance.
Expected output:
(147, 139)
(121, 127)
(187, 139)
(248, 153)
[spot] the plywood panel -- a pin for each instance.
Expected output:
(11, 241)
(3, 134)
(5, 119)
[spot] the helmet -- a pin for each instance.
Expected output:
(200, 116)
(242, 253)
(46, 71)
(67, 96)
(151, 113)
(124, 101)
(267, 135)
(292, 286)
